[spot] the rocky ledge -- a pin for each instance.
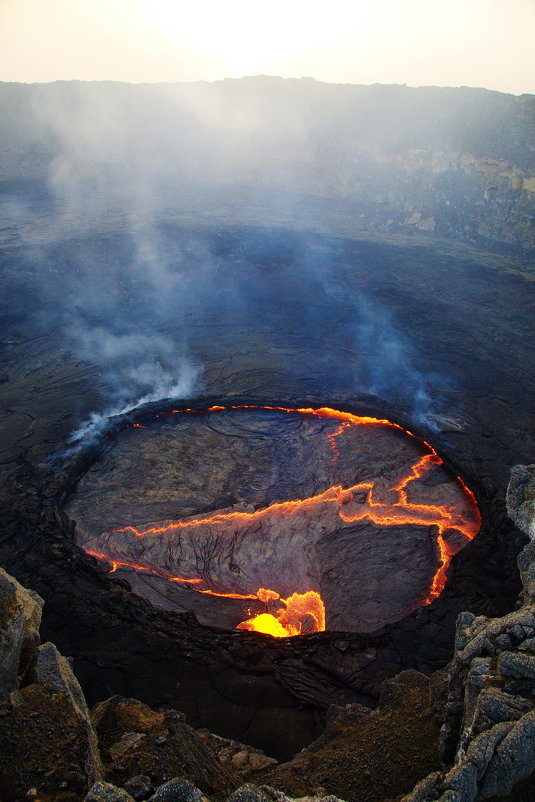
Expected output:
(470, 727)
(487, 740)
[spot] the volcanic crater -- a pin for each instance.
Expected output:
(297, 342)
(279, 520)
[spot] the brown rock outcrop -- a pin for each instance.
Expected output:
(372, 755)
(135, 740)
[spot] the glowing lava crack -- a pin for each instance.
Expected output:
(289, 545)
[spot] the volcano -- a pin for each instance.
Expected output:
(154, 468)
(330, 519)
(297, 343)
(380, 267)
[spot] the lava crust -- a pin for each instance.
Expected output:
(290, 521)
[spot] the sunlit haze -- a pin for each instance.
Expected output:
(485, 43)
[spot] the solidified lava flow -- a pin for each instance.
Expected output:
(303, 611)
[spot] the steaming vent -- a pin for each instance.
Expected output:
(282, 521)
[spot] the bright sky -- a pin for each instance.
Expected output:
(487, 43)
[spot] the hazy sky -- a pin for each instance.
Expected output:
(488, 43)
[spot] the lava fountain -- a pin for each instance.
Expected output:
(318, 518)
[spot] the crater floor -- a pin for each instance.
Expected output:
(204, 512)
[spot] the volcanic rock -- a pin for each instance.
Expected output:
(517, 665)
(49, 745)
(135, 740)
(255, 793)
(177, 790)
(369, 755)
(265, 793)
(20, 617)
(46, 745)
(139, 787)
(52, 668)
(521, 498)
(488, 737)
(239, 759)
(526, 564)
(105, 792)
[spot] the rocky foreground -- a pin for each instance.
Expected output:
(470, 727)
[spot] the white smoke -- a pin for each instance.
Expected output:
(137, 370)
(133, 160)
(386, 367)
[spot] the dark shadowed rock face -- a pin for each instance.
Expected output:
(44, 745)
(137, 741)
(260, 498)
(369, 755)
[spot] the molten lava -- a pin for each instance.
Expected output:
(302, 613)
(299, 614)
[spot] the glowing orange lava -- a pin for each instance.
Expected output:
(305, 612)
(300, 613)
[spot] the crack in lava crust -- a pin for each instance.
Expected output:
(305, 612)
